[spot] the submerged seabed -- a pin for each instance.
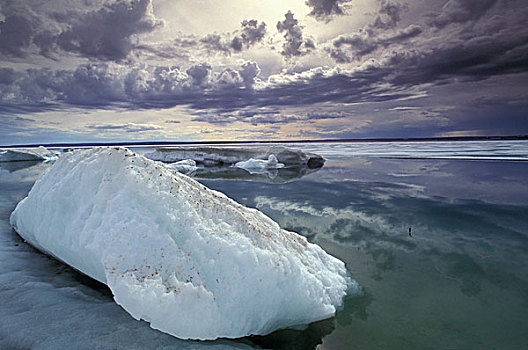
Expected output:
(460, 280)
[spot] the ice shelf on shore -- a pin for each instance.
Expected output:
(259, 166)
(210, 155)
(25, 154)
(187, 259)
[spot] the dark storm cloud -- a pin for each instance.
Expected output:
(88, 85)
(325, 9)
(475, 59)
(105, 33)
(17, 29)
(460, 11)
(490, 44)
(295, 44)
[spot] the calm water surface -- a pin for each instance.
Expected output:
(459, 281)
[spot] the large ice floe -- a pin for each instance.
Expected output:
(216, 155)
(187, 259)
(24, 154)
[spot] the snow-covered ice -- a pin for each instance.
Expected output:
(259, 166)
(189, 260)
(186, 166)
(210, 155)
(25, 154)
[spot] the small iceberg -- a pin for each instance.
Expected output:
(186, 166)
(188, 260)
(24, 154)
(260, 166)
(229, 155)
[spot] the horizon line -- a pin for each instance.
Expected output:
(379, 139)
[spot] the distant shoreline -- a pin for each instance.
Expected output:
(164, 143)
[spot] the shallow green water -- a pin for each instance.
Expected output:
(459, 281)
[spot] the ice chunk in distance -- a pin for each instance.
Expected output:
(259, 166)
(189, 260)
(186, 166)
(25, 154)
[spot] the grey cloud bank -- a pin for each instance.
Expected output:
(121, 55)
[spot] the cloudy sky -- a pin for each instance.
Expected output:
(182, 70)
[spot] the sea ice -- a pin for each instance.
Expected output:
(189, 260)
(209, 155)
(25, 154)
(260, 166)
